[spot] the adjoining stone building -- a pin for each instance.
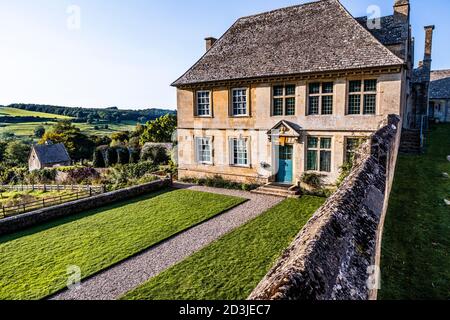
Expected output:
(439, 109)
(291, 91)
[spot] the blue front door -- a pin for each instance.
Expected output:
(285, 164)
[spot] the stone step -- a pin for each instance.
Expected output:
(277, 190)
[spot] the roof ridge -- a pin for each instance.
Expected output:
(284, 8)
(369, 33)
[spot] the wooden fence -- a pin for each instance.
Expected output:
(52, 187)
(78, 192)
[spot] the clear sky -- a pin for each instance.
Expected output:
(126, 53)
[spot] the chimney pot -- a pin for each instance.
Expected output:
(210, 42)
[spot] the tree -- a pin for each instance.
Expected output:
(17, 152)
(79, 145)
(120, 137)
(39, 132)
(160, 130)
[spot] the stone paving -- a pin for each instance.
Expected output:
(114, 282)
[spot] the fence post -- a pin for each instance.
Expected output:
(90, 192)
(43, 202)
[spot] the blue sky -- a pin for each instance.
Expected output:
(127, 52)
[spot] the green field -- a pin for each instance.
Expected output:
(230, 268)
(26, 129)
(34, 263)
(416, 256)
(13, 112)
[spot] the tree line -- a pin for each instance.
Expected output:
(91, 115)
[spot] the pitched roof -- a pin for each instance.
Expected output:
(314, 37)
(440, 84)
(50, 154)
(392, 31)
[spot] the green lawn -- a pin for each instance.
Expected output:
(232, 267)
(416, 245)
(34, 263)
(13, 112)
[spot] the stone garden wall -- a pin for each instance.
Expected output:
(26, 220)
(333, 256)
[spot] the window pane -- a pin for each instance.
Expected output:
(370, 85)
(354, 104)
(314, 88)
(313, 142)
(325, 143)
(277, 107)
(327, 105)
(290, 106)
(312, 161)
(204, 150)
(290, 90)
(203, 103)
(325, 161)
(355, 86)
(240, 155)
(278, 91)
(239, 102)
(313, 105)
(370, 103)
(327, 87)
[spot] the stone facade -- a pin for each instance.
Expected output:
(337, 254)
(263, 153)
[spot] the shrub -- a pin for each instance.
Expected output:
(98, 161)
(110, 156)
(157, 154)
(123, 155)
(44, 176)
(312, 179)
(220, 182)
(81, 176)
(134, 155)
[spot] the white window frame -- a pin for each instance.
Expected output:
(197, 150)
(197, 104)
(231, 145)
(232, 108)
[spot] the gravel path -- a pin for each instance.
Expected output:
(118, 280)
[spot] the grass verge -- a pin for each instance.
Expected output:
(231, 267)
(34, 263)
(416, 242)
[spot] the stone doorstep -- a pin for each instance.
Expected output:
(287, 191)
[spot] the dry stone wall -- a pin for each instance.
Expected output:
(333, 256)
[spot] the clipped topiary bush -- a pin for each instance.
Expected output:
(155, 153)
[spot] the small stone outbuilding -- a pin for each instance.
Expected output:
(48, 156)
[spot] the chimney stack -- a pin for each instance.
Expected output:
(402, 10)
(209, 42)
(428, 42)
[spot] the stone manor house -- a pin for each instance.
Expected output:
(294, 90)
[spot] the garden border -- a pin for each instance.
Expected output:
(20, 222)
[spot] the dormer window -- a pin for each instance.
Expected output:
(203, 103)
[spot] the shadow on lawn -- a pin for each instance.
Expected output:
(61, 221)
